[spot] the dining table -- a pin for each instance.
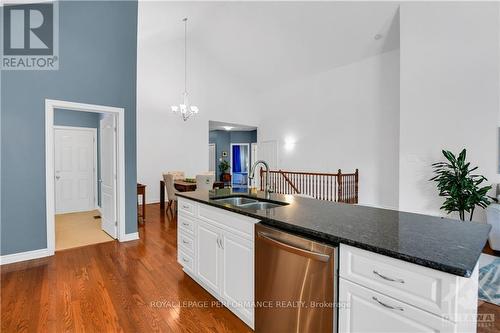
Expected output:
(181, 185)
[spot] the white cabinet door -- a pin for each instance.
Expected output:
(208, 265)
(366, 311)
(238, 274)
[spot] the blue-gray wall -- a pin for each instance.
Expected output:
(83, 119)
(223, 140)
(97, 52)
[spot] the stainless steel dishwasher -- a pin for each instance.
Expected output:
(295, 283)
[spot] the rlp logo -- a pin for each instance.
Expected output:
(28, 29)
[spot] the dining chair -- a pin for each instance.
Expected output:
(169, 178)
(205, 182)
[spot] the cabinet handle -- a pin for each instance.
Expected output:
(185, 207)
(388, 278)
(185, 241)
(387, 306)
(184, 259)
(185, 224)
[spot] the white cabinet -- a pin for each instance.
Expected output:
(208, 264)
(382, 294)
(216, 248)
(238, 274)
(367, 311)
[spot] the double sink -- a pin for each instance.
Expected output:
(249, 203)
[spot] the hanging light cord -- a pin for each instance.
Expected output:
(185, 55)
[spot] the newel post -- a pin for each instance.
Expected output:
(356, 184)
(339, 181)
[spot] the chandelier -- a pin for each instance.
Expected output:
(185, 109)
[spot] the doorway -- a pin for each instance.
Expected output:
(84, 175)
(229, 152)
(240, 164)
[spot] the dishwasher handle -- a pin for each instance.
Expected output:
(293, 249)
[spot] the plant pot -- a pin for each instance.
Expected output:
(225, 177)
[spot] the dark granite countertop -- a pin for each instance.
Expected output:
(443, 244)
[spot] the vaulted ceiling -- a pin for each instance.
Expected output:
(269, 42)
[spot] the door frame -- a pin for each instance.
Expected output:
(119, 113)
(215, 158)
(231, 160)
(94, 155)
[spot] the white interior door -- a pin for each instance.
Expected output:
(108, 175)
(211, 157)
(254, 157)
(75, 157)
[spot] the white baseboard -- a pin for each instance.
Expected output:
(22, 256)
(129, 237)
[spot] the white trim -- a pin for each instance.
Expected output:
(22, 256)
(95, 157)
(129, 237)
(50, 105)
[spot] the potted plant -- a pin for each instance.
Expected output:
(223, 168)
(457, 183)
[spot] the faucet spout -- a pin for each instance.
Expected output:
(267, 187)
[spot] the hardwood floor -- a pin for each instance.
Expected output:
(136, 286)
(124, 287)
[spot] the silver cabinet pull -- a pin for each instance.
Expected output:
(185, 241)
(185, 207)
(387, 306)
(184, 259)
(185, 224)
(388, 278)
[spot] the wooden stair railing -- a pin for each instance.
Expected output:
(338, 187)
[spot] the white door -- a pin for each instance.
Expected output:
(238, 274)
(364, 310)
(208, 258)
(211, 157)
(254, 157)
(268, 151)
(108, 175)
(75, 169)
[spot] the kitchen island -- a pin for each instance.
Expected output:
(398, 270)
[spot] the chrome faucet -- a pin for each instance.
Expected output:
(267, 188)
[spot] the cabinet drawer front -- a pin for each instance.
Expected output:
(425, 288)
(186, 224)
(240, 225)
(185, 260)
(185, 242)
(365, 310)
(186, 206)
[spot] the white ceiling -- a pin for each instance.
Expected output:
(264, 43)
(221, 126)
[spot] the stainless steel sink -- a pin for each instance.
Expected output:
(236, 201)
(249, 203)
(260, 205)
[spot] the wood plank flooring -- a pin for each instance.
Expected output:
(136, 286)
(123, 287)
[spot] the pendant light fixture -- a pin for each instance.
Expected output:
(185, 109)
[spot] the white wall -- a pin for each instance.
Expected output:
(164, 141)
(347, 118)
(449, 93)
